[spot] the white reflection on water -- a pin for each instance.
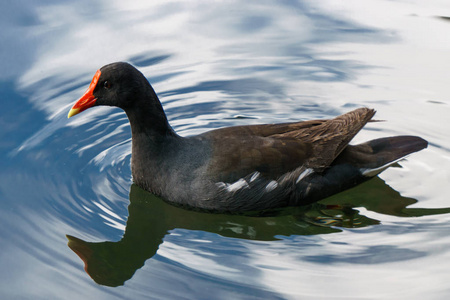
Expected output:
(200, 39)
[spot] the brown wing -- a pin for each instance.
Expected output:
(264, 130)
(330, 138)
(276, 149)
(234, 157)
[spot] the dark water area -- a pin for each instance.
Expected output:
(74, 226)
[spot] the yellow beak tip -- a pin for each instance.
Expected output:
(73, 112)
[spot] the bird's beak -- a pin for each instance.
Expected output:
(88, 99)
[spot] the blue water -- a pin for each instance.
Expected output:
(213, 65)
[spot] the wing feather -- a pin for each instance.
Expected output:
(276, 149)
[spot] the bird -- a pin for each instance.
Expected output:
(244, 168)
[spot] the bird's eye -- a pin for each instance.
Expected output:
(106, 84)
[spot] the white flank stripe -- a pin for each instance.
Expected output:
(254, 176)
(304, 174)
(241, 183)
(271, 186)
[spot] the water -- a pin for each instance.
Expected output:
(214, 65)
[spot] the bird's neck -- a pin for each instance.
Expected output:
(152, 138)
(149, 119)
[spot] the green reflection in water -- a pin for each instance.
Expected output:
(150, 219)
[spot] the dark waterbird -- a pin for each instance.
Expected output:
(241, 168)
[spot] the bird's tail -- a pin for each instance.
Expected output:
(375, 156)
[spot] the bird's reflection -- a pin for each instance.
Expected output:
(150, 219)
